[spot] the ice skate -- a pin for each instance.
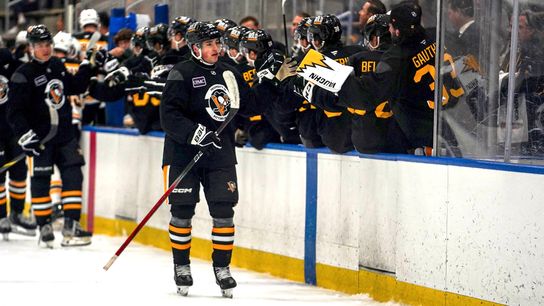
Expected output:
(74, 235)
(22, 225)
(225, 281)
(57, 216)
(46, 235)
(5, 228)
(183, 278)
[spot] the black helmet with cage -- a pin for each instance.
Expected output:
(324, 30)
(377, 26)
(301, 30)
(38, 33)
(139, 37)
(198, 33)
(180, 25)
(223, 24)
(201, 31)
(158, 34)
(233, 36)
(258, 41)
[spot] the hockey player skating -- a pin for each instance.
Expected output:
(17, 222)
(37, 86)
(195, 102)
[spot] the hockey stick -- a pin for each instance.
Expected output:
(234, 96)
(91, 46)
(54, 117)
(285, 27)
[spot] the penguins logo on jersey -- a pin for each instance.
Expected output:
(3, 89)
(218, 100)
(54, 93)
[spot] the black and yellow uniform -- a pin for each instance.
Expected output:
(192, 97)
(334, 122)
(94, 110)
(9, 148)
(34, 85)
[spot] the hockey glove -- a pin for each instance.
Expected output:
(269, 65)
(102, 60)
(30, 144)
(117, 77)
(207, 141)
(287, 69)
(303, 88)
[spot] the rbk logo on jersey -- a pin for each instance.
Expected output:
(199, 82)
(4, 88)
(218, 100)
(54, 94)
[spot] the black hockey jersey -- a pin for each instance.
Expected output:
(36, 85)
(334, 122)
(173, 56)
(197, 94)
(8, 64)
(405, 77)
(84, 37)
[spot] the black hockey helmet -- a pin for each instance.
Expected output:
(158, 35)
(180, 25)
(406, 16)
(38, 33)
(139, 37)
(223, 24)
(301, 31)
(259, 41)
(377, 25)
(201, 31)
(325, 28)
(233, 36)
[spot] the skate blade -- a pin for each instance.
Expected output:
(75, 241)
(46, 244)
(226, 293)
(183, 290)
(5, 236)
(58, 225)
(23, 231)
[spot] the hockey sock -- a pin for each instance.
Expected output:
(72, 178)
(17, 195)
(3, 201)
(222, 241)
(55, 190)
(41, 201)
(71, 204)
(180, 240)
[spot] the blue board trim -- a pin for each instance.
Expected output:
(310, 227)
(458, 162)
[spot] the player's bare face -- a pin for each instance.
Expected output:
(234, 53)
(42, 50)
(210, 51)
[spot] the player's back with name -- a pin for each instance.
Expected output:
(193, 95)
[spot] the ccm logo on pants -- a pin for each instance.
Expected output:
(182, 190)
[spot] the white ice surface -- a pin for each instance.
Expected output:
(142, 275)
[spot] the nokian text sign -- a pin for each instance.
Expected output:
(323, 71)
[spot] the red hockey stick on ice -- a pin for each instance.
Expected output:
(234, 96)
